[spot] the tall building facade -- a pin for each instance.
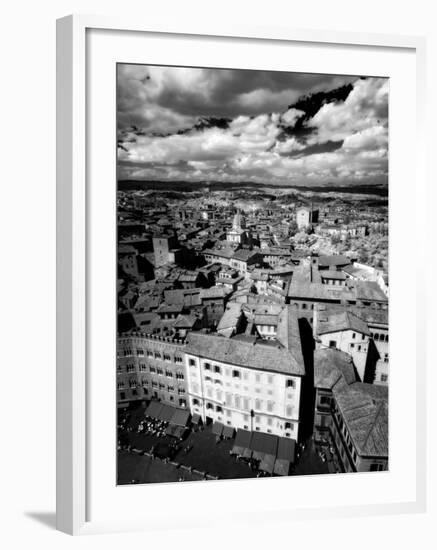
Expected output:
(306, 217)
(165, 249)
(151, 367)
(246, 382)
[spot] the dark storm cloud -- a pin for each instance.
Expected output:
(311, 103)
(216, 93)
(226, 98)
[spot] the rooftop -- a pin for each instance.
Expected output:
(214, 292)
(186, 297)
(368, 314)
(220, 252)
(333, 274)
(334, 259)
(369, 290)
(243, 254)
(170, 308)
(314, 291)
(331, 366)
(275, 252)
(259, 275)
(230, 317)
(147, 302)
(364, 408)
(283, 356)
(185, 321)
(371, 316)
(352, 291)
(337, 321)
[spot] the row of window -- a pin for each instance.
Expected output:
(160, 372)
(208, 366)
(127, 352)
(210, 389)
(210, 407)
(235, 373)
(134, 393)
(244, 403)
(132, 383)
(129, 368)
(163, 356)
(164, 387)
(379, 337)
(179, 375)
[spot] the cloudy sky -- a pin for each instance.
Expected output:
(186, 124)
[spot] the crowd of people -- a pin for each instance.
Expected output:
(152, 426)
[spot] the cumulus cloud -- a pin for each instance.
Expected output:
(365, 107)
(291, 116)
(233, 125)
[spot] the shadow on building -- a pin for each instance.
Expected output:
(308, 392)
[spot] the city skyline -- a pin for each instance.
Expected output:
(252, 274)
(251, 342)
(225, 125)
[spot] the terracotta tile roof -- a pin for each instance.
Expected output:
(283, 355)
(214, 292)
(331, 366)
(186, 297)
(221, 253)
(369, 290)
(230, 317)
(371, 316)
(169, 308)
(339, 321)
(185, 321)
(334, 259)
(315, 291)
(368, 314)
(243, 255)
(364, 408)
(353, 290)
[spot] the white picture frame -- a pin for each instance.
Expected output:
(73, 298)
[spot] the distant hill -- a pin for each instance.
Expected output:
(188, 187)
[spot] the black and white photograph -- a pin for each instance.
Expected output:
(252, 274)
(211, 225)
